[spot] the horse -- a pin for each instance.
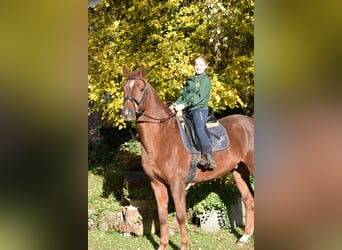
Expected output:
(166, 162)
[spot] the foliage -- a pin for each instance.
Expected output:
(131, 146)
(165, 36)
(140, 189)
(216, 194)
(98, 153)
(211, 202)
(110, 145)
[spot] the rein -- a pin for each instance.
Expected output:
(161, 120)
(141, 102)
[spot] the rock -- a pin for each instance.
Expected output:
(132, 215)
(110, 220)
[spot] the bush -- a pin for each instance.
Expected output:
(111, 143)
(217, 194)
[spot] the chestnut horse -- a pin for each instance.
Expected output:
(166, 161)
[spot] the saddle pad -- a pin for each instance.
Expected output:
(218, 137)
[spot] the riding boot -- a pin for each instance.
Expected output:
(211, 162)
(203, 163)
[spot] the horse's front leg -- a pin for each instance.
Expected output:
(178, 195)
(162, 198)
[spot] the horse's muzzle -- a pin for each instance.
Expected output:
(128, 114)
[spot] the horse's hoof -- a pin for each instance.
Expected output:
(183, 247)
(241, 243)
(243, 240)
(162, 247)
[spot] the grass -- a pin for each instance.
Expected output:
(198, 240)
(104, 191)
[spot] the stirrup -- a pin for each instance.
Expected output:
(211, 165)
(211, 161)
(203, 163)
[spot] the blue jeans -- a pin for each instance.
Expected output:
(199, 117)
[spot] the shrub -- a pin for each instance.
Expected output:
(217, 194)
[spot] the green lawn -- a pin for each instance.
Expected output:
(198, 240)
(104, 184)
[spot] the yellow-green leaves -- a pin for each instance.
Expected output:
(165, 36)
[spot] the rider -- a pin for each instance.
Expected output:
(195, 97)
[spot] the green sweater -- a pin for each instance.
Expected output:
(196, 92)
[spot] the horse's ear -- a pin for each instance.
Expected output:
(143, 71)
(125, 71)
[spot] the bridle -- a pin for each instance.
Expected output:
(140, 103)
(143, 98)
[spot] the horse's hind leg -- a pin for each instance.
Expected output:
(241, 176)
(162, 198)
(178, 195)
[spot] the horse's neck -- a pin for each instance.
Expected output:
(156, 137)
(155, 107)
(153, 131)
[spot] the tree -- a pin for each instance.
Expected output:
(165, 36)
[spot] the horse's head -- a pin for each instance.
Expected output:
(135, 92)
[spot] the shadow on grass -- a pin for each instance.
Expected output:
(113, 180)
(113, 174)
(156, 244)
(173, 245)
(236, 233)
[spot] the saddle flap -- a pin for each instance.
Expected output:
(217, 133)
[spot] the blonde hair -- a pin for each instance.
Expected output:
(201, 57)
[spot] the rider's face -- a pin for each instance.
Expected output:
(200, 66)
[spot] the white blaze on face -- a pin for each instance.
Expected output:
(131, 84)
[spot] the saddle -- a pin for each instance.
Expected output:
(216, 132)
(218, 137)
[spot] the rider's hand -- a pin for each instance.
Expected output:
(172, 107)
(179, 107)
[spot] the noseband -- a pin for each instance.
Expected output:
(143, 98)
(141, 102)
